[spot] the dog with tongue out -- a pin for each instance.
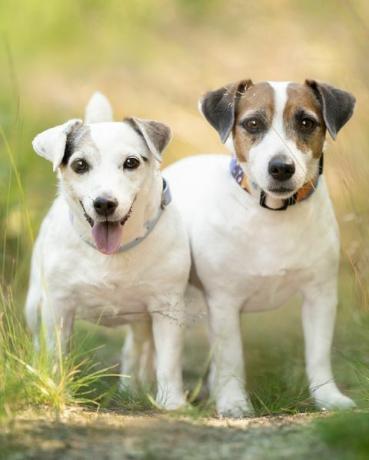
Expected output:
(112, 248)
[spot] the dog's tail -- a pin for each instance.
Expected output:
(98, 109)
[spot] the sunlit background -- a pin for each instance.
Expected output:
(154, 59)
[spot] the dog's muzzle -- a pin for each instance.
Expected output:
(107, 234)
(301, 194)
(104, 232)
(91, 221)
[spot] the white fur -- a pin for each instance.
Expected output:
(251, 259)
(71, 279)
(98, 109)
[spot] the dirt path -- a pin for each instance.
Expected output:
(81, 434)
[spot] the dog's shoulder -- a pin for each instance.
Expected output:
(198, 183)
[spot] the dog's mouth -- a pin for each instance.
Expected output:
(107, 234)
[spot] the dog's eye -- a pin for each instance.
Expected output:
(253, 125)
(80, 166)
(131, 163)
(307, 125)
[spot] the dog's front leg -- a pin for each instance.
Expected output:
(228, 374)
(57, 323)
(168, 328)
(318, 315)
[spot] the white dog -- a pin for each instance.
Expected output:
(262, 227)
(112, 249)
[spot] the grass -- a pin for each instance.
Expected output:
(346, 435)
(276, 380)
(36, 379)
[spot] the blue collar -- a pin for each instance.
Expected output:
(302, 194)
(166, 198)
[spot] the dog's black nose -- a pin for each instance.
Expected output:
(281, 168)
(105, 206)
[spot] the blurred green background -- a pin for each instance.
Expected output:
(154, 59)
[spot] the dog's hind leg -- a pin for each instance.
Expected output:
(137, 367)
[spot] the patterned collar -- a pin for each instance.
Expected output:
(302, 193)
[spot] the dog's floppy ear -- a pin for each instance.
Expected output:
(337, 105)
(50, 144)
(155, 134)
(219, 106)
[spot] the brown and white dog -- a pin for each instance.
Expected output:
(262, 228)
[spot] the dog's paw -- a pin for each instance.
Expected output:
(234, 407)
(333, 400)
(170, 402)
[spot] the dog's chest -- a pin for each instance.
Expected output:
(102, 306)
(269, 292)
(269, 274)
(264, 258)
(110, 294)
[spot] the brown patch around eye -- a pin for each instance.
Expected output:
(300, 103)
(258, 99)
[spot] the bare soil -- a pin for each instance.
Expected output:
(81, 434)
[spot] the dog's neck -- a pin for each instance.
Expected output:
(267, 201)
(144, 210)
(145, 207)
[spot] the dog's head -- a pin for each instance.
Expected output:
(103, 166)
(277, 129)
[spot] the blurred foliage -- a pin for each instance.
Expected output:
(155, 59)
(346, 435)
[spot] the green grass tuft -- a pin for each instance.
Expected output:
(29, 379)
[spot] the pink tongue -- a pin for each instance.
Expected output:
(107, 236)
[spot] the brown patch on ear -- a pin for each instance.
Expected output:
(300, 99)
(219, 106)
(259, 98)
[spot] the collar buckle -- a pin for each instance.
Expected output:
(166, 196)
(288, 202)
